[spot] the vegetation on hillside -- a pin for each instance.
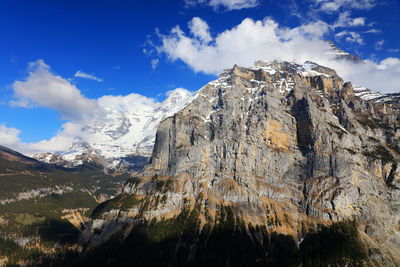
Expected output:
(227, 241)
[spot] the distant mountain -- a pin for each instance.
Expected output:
(376, 97)
(11, 155)
(341, 54)
(122, 140)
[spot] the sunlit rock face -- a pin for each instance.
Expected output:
(284, 145)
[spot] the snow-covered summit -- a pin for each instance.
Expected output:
(369, 95)
(127, 128)
(338, 53)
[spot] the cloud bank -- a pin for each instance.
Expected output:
(253, 40)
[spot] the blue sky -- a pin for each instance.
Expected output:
(123, 47)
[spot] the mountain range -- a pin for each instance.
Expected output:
(278, 164)
(124, 139)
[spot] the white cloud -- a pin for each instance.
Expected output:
(344, 20)
(243, 44)
(46, 89)
(200, 29)
(266, 40)
(9, 136)
(310, 31)
(336, 5)
(374, 31)
(351, 37)
(129, 103)
(390, 63)
(60, 142)
(393, 50)
(154, 63)
(227, 4)
(81, 74)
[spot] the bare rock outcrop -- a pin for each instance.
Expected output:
(282, 142)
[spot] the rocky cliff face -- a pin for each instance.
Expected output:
(283, 146)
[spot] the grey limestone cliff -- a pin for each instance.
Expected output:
(281, 140)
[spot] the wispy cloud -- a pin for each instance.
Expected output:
(226, 4)
(81, 74)
(331, 6)
(374, 31)
(378, 45)
(345, 21)
(351, 37)
(154, 63)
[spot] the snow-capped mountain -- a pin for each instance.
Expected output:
(369, 95)
(281, 147)
(341, 54)
(123, 135)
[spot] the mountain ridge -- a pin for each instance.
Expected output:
(283, 146)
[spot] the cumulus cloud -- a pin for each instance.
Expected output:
(243, 44)
(9, 136)
(266, 40)
(200, 29)
(132, 103)
(62, 141)
(81, 74)
(336, 5)
(46, 89)
(227, 4)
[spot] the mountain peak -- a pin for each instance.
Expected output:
(341, 54)
(176, 99)
(121, 136)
